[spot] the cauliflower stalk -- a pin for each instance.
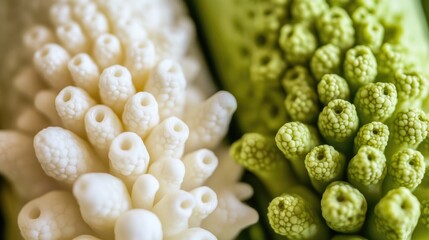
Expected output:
(120, 131)
(341, 89)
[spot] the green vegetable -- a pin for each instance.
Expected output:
(347, 102)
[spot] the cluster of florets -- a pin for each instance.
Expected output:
(122, 138)
(351, 124)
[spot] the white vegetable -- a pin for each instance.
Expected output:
(141, 114)
(102, 126)
(95, 24)
(51, 62)
(85, 73)
(60, 13)
(63, 155)
(116, 86)
(72, 37)
(138, 224)
(209, 121)
(167, 139)
(129, 30)
(107, 50)
(140, 58)
(37, 36)
(199, 166)
(128, 157)
(169, 172)
(174, 211)
(54, 215)
(18, 164)
(72, 103)
(167, 84)
(230, 216)
(144, 191)
(101, 198)
(194, 233)
(205, 204)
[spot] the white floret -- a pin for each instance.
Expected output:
(72, 103)
(102, 198)
(85, 73)
(230, 216)
(60, 13)
(193, 233)
(102, 126)
(129, 30)
(95, 24)
(191, 68)
(144, 191)
(138, 224)
(141, 114)
(167, 139)
(86, 237)
(83, 8)
(173, 41)
(54, 216)
(199, 166)
(44, 102)
(28, 82)
(174, 211)
(128, 157)
(208, 122)
(31, 121)
(19, 165)
(115, 10)
(51, 62)
(37, 36)
(169, 172)
(72, 37)
(205, 204)
(167, 84)
(140, 58)
(116, 86)
(63, 155)
(107, 50)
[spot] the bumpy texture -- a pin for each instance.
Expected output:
(120, 99)
(366, 80)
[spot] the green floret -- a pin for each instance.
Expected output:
(307, 10)
(360, 67)
(408, 129)
(406, 168)
(259, 154)
(370, 33)
(297, 76)
(421, 232)
(395, 216)
(331, 87)
(326, 59)
(268, 17)
(295, 140)
(374, 134)
(324, 165)
(335, 26)
(266, 67)
(302, 105)
(362, 15)
(366, 171)
(343, 207)
(390, 58)
(271, 113)
(375, 102)
(297, 42)
(296, 216)
(348, 237)
(411, 87)
(338, 123)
